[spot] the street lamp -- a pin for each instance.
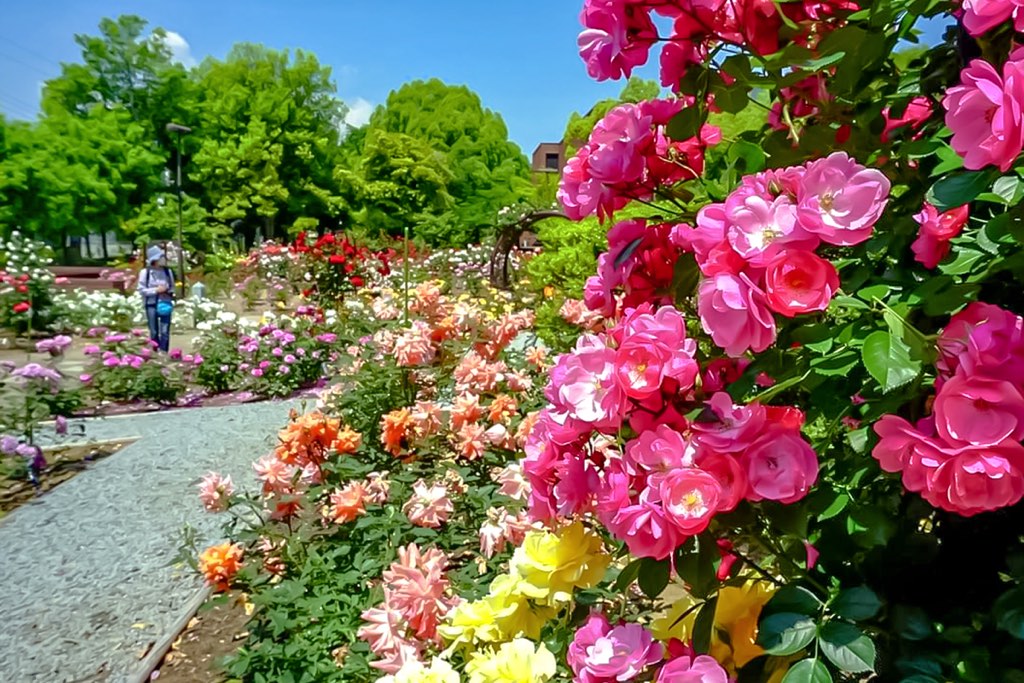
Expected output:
(180, 130)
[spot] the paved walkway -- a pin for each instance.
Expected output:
(87, 582)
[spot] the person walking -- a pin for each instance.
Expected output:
(156, 285)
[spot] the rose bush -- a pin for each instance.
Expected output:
(787, 444)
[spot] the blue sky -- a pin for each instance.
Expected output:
(519, 56)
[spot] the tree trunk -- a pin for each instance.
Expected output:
(64, 246)
(88, 246)
(103, 241)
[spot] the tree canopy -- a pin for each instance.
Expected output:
(268, 152)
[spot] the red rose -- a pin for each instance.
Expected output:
(349, 267)
(799, 281)
(22, 288)
(336, 259)
(21, 307)
(356, 281)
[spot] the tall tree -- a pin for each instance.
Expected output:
(72, 176)
(488, 170)
(404, 183)
(124, 66)
(268, 136)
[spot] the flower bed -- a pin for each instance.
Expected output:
(788, 444)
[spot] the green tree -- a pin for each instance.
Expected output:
(403, 183)
(72, 176)
(124, 66)
(267, 137)
(488, 171)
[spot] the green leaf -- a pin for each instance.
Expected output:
(837, 505)
(628, 575)
(808, 671)
(847, 647)
(686, 124)
(1009, 612)
(963, 263)
(857, 603)
(703, 625)
(752, 155)
(957, 190)
(1009, 188)
(786, 633)
(911, 623)
(888, 360)
(653, 576)
(794, 599)
(697, 566)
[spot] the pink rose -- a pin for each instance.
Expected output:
(730, 475)
(781, 466)
(736, 428)
(979, 411)
(618, 139)
(658, 450)
(982, 339)
(983, 15)
(984, 113)
(589, 390)
(918, 111)
(978, 481)
(620, 654)
(654, 348)
(734, 311)
(643, 525)
(798, 281)
(690, 497)
(700, 669)
(932, 243)
(760, 227)
(616, 38)
(840, 201)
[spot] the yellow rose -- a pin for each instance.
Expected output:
(734, 635)
(516, 662)
(553, 565)
(413, 671)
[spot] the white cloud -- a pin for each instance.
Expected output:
(359, 111)
(180, 49)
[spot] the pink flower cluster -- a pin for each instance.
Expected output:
(618, 34)
(937, 229)
(417, 595)
(627, 156)
(668, 482)
(503, 528)
(215, 491)
(602, 653)
(966, 457)
(757, 249)
(429, 506)
(986, 112)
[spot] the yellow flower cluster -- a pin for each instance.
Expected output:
(542, 576)
(414, 671)
(516, 662)
(734, 636)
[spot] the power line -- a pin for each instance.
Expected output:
(17, 106)
(24, 63)
(30, 51)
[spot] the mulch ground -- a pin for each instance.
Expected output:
(217, 630)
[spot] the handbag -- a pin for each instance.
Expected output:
(164, 308)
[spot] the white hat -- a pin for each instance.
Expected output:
(154, 254)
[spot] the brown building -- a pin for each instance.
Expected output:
(549, 157)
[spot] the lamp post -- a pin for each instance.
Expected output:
(180, 130)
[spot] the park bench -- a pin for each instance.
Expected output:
(89, 278)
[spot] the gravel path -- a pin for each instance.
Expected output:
(87, 582)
